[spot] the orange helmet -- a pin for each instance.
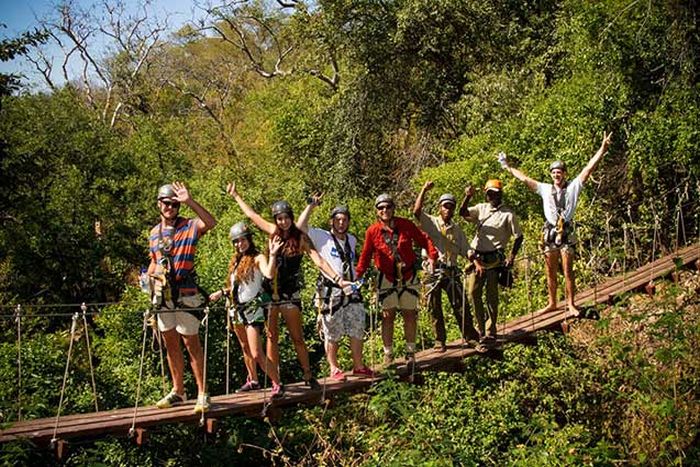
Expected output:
(493, 184)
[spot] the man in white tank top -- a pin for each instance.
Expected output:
(559, 200)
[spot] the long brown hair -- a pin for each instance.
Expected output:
(243, 264)
(295, 241)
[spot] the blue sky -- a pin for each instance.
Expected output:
(20, 15)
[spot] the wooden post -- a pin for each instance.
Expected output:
(650, 288)
(211, 425)
(272, 414)
(140, 436)
(60, 448)
(564, 327)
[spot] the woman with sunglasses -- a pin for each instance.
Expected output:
(248, 302)
(286, 283)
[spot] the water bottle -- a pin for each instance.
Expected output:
(503, 160)
(143, 281)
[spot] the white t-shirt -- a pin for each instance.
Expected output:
(324, 244)
(573, 189)
(249, 290)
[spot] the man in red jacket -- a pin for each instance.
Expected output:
(390, 241)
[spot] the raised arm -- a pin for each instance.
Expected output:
(205, 221)
(268, 265)
(464, 207)
(302, 222)
(586, 172)
(418, 204)
(520, 175)
(257, 219)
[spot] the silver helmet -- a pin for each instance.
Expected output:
(279, 207)
(239, 230)
(384, 198)
(340, 210)
(447, 198)
(166, 191)
(557, 165)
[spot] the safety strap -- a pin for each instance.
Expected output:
(393, 242)
(345, 253)
(165, 246)
(560, 201)
(482, 222)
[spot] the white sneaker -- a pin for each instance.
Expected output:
(171, 399)
(202, 404)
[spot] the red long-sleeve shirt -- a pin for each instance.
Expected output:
(376, 246)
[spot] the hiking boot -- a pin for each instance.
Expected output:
(411, 360)
(472, 335)
(277, 391)
(489, 341)
(486, 343)
(440, 347)
(171, 399)
(249, 386)
(202, 404)
(338, 375)
(312, 384)
(364, 371)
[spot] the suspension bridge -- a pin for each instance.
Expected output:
(134, 422)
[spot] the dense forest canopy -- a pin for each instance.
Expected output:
(348, 97)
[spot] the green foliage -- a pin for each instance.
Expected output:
(65, 173)
(10, 49)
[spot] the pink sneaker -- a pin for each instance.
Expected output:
(249, 386)
(277, 391)
(338, 375)
(364, 371)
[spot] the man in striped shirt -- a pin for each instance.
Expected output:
(172, 246)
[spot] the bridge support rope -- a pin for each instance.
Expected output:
(132, 430)
(73, 327)
(18, 319)
(83, 308)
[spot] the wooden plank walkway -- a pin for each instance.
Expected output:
(118, 422)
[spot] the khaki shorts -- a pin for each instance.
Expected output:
(184, 323)
(399, 298)
(568, 248)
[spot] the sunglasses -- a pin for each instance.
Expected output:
(171, 204)
(385, 207)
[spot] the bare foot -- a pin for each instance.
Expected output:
(573, 310)
(550, 307)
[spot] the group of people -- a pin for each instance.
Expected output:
(260, 287)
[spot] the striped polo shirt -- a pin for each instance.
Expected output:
(183, 245)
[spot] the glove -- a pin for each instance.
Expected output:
(502, 159)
